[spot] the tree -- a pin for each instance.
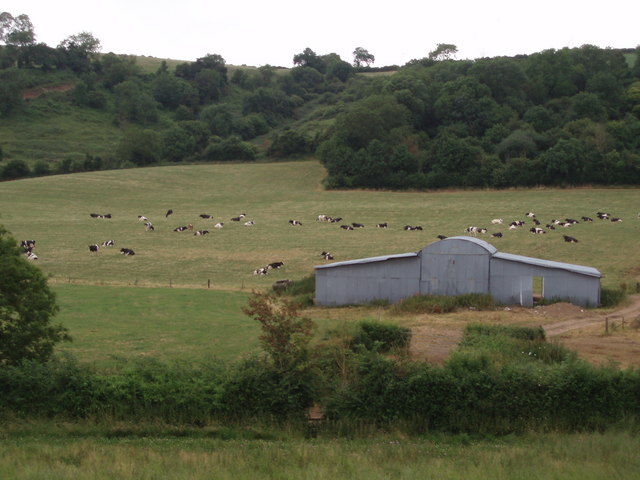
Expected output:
(84, 42)
(285, 335)
(27, 306)
(444, 51)
(16, 31)
(309, 58)
(362, 56)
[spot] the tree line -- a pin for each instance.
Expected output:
(557, 117)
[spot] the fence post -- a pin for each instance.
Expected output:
(209, 283)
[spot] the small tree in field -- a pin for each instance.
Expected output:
(26, 308)
(285, 335)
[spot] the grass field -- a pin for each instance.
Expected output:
(62, 454)
(55, 212)
(168, 324)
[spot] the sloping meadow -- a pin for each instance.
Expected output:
(55, 211)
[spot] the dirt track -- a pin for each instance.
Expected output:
(578, 329)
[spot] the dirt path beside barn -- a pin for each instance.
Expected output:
(578, 329)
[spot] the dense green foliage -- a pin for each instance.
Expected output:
(565, 117)
(27, 308)
(444, 303)
(557, 117)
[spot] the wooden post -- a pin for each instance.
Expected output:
(209, 283)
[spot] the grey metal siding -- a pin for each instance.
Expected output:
(391, 280)
(512, 283)
(454, 267)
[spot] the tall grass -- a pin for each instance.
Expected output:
(60, 453)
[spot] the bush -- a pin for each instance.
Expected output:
(381, 337)
(610, 297)
(444, 303)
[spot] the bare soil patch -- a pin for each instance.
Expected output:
(36, 92)
(579, 329)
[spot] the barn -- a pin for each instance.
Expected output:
(456, 266)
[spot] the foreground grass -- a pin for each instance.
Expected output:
(55, 211)
(68, 452)
(114, 323)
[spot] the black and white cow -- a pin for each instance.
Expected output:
(142, 218)
(357, 225)
(250, 223)
(569, 239)
(108, 243)
(587, 219)
(219, 225)
(616, 219)
(326, 255)
(441, 237)
(275, 265)
(28, 244)
(382, 225)
(497, 235)
(336, 220)
(346, 227)
(180, 229)
(205, 215)
(261, 271)
(536, 230)
(93, 248)
(100, 215)
(603, 215)
(149, 227)
(126, 252)
(31, 256)
(530, 215)
(497, 221)
(295, 222)
(410, 227)
(201, 232)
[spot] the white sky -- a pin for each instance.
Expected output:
(259, 32)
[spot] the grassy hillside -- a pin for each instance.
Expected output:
(55, 212)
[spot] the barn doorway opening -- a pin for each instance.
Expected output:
(538, 290)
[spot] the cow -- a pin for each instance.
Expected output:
(336, 220)
(603, 215)
(205, 215)
(180, 229)
(201, 232)
(108, 243)
(169, 212)
(323, 218)
(472, 230)
(250, 223)
(587, 219)
(616, 219)
(346, 227)
(93, 248)
(149, 227)
(497, 221)
(536, 222)
(126, 252)
(31, 256)
(409, 227)
(295, 222)
(100, 215)
(530, 214)
(261, 271)
(441, 237)
(239, 217)
(550, 226)
(357, 225)
(190, 227)
(569, 239)
(275, 265)
(326, 255)
(382, 225)
(572, 221)
(218, 225)
(142, 218)
(536, 230)
(497, 235)
(28, 244)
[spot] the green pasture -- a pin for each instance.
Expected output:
(60, 454)
(168, 324)
(55, 212)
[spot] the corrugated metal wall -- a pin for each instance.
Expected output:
(512, 284)
(455, 267)
(391, 280)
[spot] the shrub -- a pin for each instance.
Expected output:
(611, 297)
(381, 337)
(443, 303)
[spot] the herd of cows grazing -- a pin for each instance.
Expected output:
(531, 222)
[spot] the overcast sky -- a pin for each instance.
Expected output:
(260, 32)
